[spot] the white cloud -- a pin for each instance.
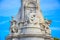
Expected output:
(55, 21)
(54, 28)
(9, 4)
(49, 5)
(9, 7)
(4, 22)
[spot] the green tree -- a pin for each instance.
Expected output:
(56, 39)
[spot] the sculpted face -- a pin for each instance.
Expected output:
(32, 18)
(30, 11)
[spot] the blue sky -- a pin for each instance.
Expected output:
(50, 10)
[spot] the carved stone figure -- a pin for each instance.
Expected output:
(29, 24)
(14, 28)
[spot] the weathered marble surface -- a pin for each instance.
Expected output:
(29, 24)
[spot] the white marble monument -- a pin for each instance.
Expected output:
(29, 24)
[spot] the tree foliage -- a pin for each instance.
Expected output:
(56, 39)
